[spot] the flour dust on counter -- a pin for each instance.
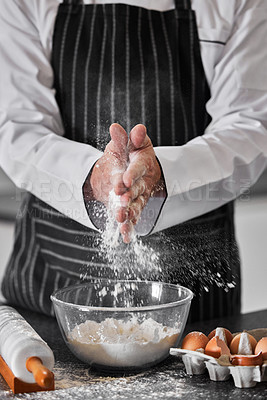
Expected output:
(168, 381)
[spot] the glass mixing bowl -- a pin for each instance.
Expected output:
(122, 325)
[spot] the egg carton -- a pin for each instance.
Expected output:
(196, 363)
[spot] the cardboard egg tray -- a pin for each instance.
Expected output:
(196, 363)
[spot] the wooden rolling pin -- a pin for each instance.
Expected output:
(26, 354)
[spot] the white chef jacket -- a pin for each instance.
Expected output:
(201, 175)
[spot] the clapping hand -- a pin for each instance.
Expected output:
(130, 168)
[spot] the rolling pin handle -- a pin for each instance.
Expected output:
(42, 375)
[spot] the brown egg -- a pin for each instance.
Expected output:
(216, 347)
(195, 340)
(234, 345)
(227, 334)
(262, 346)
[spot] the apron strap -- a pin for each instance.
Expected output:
(73, 2)
(179, 4)
(183, 4)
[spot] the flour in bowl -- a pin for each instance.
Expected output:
(116, 343)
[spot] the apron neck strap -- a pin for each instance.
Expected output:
(183, 4)
(73, 2)
(179, 4)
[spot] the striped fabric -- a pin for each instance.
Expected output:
(153, 77)
(120, 63)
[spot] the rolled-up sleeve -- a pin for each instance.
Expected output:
(33, 151)
(215, 168)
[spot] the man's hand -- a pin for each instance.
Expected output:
(138, 181)
(109, 169)
(130, 168)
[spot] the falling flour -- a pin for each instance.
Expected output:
(197, 254)
(116, 343)
(135, 259)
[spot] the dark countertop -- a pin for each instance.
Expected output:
(75, 381)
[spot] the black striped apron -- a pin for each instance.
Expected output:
(126, 64)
